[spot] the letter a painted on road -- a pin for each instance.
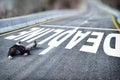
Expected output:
(76, 39)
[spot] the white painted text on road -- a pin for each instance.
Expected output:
(75, 36)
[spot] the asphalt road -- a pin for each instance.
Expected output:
(81, 47)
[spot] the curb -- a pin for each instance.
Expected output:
(15, 23)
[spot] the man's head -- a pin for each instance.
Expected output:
(12, 52)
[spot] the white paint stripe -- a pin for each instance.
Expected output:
(25, 35)
(35, 28)
(58, 31)
(21, 33)
(25, 32)
(40, 36)
(89, 28)
(35, 34)
(10, 37)
(46, 50)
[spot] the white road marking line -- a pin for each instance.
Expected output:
(35, 34)
(58, 31)
(88, 28)
(40, 36)
(46, 50)
(21, 33)
(10, 37)
(28, 34)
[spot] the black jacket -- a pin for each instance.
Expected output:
(15, 48)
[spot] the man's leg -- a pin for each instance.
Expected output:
(31, 45)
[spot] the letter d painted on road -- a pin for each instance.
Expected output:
(107, 48)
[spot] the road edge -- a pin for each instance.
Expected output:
(115, 22)
(34, 25)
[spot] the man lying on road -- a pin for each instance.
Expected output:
(18, 48)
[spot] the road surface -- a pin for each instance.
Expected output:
(81, 47)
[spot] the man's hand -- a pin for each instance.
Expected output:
(10, 57)
(25, 54)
